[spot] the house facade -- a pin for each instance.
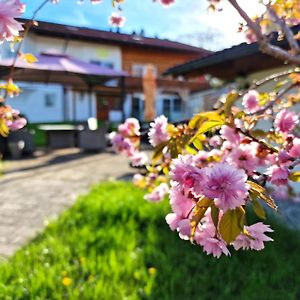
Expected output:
(46, 102)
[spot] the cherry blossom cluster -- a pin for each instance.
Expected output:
(218, 165)
(126, 141)
(227, 186)
(9, 27)
(10, 120)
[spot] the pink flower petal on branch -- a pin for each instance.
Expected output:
(286, 121)
(226, 185)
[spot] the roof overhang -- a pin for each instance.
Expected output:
(229, 63)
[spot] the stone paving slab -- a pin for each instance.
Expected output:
(36, 190)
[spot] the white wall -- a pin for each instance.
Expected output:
(175, 116)
(82, 50)
(32, 102)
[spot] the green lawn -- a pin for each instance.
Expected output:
(114, 245)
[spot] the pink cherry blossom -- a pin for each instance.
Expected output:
(157, 193)
(230, 134)
(258, 237)
(206, 237)
(244, 157)
(173, 220)
(180, 166)
(167, 2)
(137, 178)
(158, 132)
(184, 229)
(117, 20)
(189, 176)
(250, 101)
(227, 185)
(286, 121)
(295, 149)
(9, 27)
(215, 141)
(283, 157)
(121, 144)
(16, 124)
(180, 201)
(278, 175)
(131, 127)
(139, 159)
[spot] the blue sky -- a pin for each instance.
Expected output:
(187, 21)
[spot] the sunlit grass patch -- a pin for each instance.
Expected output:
(114, 245)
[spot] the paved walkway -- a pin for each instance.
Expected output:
(36, 190)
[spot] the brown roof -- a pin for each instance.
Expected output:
(238, 60)
(109, 37)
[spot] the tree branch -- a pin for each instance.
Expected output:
(274, 77)
(264, 44)
(279, 95)
(285, 28)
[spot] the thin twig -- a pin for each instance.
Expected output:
(27, 28)
(274, 77)
(261, 142)
(279, 95)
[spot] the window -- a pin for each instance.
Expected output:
(105, 64)
(177, 105)
(49, 100)
(136, 107)
(167, 107)
(138, 70)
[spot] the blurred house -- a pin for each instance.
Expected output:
(238, 66)
(48, 102)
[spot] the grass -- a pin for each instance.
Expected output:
(114, 245)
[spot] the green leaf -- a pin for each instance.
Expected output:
(215, 215)
(260, 192)
(258, 133)
(173, 148)
(264, 98)
(4, 131)
(157, 153)
(205, 116)
(295, 176)
(232, 224)
(258, 209)
(198, 213)
(207, 126)
(191, 150)
(198, 144)
(230, 99)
